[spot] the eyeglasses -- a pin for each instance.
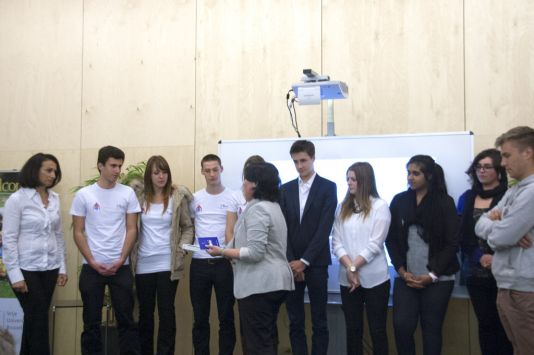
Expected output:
(484, 167)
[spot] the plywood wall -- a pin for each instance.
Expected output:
(173, 77)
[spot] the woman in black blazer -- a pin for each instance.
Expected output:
(422, 242)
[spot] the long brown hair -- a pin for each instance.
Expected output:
(158, 162)
(366, 188)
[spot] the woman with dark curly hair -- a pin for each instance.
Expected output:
(489, 183)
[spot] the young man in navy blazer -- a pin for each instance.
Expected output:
(308, 204)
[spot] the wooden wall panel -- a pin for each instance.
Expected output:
(138, 67)
(402, 61)
(499, 67)
(40, 74)
(248, 55)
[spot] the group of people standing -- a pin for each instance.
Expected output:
(271, 242)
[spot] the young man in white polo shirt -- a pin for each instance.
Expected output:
(104, 217)
(208, 208)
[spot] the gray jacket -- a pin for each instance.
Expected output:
(261, 235)
(512, 266)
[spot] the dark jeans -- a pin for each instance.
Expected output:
(316, 280)
(204, 275)
(258, 314)
(92, 286)
(149, 287)
(428, 305)
(491, 334)
(376, 307)
(35, 304)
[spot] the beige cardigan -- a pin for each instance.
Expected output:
(182, 227)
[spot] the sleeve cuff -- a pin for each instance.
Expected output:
(244, 253)
(15, 275)
(305, 261)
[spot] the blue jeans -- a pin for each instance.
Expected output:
(149, 287)
(428, 305)
(92, 286)
(376, 306)
(204, 275)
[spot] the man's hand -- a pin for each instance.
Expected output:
(62, 279)
(299, 277)
(494, 215)
(525, 242)
(102, 269)
(114, 267)
(297, 266)
(20, 286)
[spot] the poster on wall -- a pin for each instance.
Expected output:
(11, 315)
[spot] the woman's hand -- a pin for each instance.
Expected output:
(214, 250)
(62, 279)
(354, 280)
(485, 261)
(20, 287)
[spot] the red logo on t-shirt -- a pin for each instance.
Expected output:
(199, 208)
(96, 206)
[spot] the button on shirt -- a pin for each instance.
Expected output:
(32, 235)
(304, 192)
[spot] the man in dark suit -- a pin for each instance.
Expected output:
(308, 204)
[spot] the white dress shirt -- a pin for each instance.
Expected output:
(365, 237)
(304, 192)
(32, 235)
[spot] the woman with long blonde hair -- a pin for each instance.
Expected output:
(360, 229)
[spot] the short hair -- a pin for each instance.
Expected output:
(495, 157)
(210, 157)
(109, 152)
(253, 159)
(267, 180)
(523, 136)
(29, 174)
(303, 146)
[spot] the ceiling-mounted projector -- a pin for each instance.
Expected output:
(314, 87)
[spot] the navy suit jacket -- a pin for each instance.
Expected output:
(309, 239)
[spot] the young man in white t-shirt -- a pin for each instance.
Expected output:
(104, 217)
(208, 208)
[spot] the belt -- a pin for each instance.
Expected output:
(209, 261)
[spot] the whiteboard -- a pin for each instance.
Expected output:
(388, 154)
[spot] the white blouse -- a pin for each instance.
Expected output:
(32, 235)
(365, 237)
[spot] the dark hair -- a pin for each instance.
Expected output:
(158, 162)
(523, 136)
(109, 152)
(267, 180)
(432, 171)
(29, 174)
(210, 157)
(495, 157)
(253, 159)
(303, 146)
(365, 177)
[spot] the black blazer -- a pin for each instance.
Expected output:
(309, 239)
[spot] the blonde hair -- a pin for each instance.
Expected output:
(361, 200)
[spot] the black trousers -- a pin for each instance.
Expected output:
(92, 286)
(258, 314)
(375, 300)
(204, 275)
(429, 305)
(316, 280)
(35, 304)
(149, 287)
(491, 334)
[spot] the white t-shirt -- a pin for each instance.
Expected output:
(105, 218)
(155, 239)
(209, 212)
(240, 202)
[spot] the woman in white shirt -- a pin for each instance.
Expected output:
(360, 229)
(158, 257)
(34, 248)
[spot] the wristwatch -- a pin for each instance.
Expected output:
(352, 268)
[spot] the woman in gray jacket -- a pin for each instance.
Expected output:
(158, 257)
(262, 276)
